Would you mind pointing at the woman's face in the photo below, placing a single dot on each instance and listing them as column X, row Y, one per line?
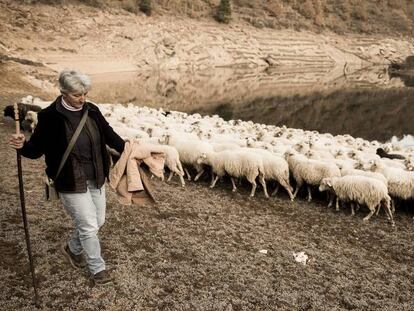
column 76, row 100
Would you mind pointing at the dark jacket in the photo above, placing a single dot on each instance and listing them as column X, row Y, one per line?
column 50, row 139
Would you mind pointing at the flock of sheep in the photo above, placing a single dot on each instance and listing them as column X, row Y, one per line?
column 347, row 168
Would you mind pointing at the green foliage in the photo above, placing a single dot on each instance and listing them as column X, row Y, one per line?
column 145, row 6
column 223, row 14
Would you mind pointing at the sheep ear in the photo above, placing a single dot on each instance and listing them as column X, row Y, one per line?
column 329, row 183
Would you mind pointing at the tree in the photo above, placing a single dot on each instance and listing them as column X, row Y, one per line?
column 145, row 6
column 223, row 14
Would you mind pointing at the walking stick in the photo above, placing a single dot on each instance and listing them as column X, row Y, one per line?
column 23, row 206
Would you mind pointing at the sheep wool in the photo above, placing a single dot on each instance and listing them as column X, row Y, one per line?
column 360, row 189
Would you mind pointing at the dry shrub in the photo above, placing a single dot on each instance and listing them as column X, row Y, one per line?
column 319, row 13
column 319, row 20
column 400, row 21
column 245, row 3
column 223, row 13
column 359, row 14
column 186, row 7
column 307, row 9
column 397, row 4
column 275, row 8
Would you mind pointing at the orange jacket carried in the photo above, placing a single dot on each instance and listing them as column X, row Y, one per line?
column 128, row 178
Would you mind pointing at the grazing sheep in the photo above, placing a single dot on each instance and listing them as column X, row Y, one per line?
column 275, row 168
column 189, row 151
column 309, row 171
column 236, row 163
column 360, row 189
column 172, row 161
column 400, row 182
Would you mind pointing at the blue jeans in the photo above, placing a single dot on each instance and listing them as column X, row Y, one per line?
column 88, row 213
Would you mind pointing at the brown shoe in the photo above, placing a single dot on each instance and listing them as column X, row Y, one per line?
column 77, row 261
column 102, row 278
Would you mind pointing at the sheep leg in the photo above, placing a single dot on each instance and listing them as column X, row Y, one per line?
column 287, row 187
column 234, row 184
column 298, row 185
column 213, row 183
column 275, row 191
column 188, row 174
column 263, row 183
column 199, row 174
column 331, row 199
column 180, row 173
column 392, row 206
column 388, row 211
column 253, row 188
column 182, row 181
column 212, row 176
column 337, row 204
column 378, row 209
column 309, row 194
column 371, row 212
column 352, row 209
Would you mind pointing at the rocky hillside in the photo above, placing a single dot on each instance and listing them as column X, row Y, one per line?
column 340, row 16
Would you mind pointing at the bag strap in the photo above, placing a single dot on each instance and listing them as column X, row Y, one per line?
column 72, row 141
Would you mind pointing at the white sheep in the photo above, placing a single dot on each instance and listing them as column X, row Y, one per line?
column 238, row 164
column 309, row 171
column 189, row 151
column 172, row 161
column 360, row 189
column 400, row 182
column 275, row 168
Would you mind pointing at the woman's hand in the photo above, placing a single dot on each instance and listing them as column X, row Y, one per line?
column 17, row 141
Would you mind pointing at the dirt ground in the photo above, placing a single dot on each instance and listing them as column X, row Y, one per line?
column 198, row 249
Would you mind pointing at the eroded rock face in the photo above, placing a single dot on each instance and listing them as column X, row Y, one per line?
column 106, row 41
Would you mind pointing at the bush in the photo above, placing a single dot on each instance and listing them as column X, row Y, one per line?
column 275, row 9
column 145, row 7
column 223, row 14
column 307, row 9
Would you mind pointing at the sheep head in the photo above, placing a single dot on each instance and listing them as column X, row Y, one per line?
column 311, row 154
column 164, row 139
column 202, row 158
column 338, row 153
column 372, row 165
column 326, row 184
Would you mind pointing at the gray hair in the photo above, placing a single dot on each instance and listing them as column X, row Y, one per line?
column 72, row 81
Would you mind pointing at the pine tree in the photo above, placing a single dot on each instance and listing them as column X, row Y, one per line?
column 145, row 6
column 223, row 14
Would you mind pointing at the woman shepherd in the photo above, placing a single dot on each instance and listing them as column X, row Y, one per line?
column 81, row 181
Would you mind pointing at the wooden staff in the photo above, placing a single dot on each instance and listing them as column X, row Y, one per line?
column 23, row 206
